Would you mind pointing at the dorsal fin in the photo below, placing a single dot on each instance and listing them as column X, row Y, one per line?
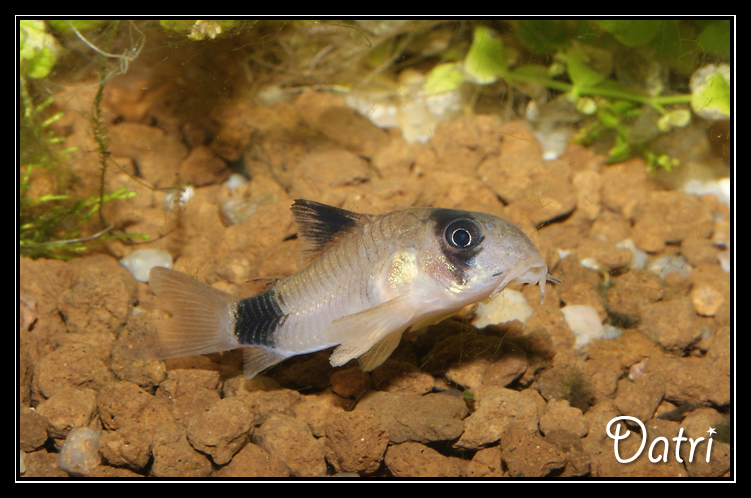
column 320, row 225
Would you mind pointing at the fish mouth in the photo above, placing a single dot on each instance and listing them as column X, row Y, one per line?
column 523, row 273
column 506, row 277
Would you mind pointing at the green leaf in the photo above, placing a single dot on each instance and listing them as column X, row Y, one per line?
column 624, row 108
column 530, row 79
column 44, row 104
column 608, row 118
column 620, row 151
column 443, row 78
column 673, row 46
column 532, row 71
column 680, row 118
column 49, row 198
column 715, row 39
column 55, row 117
column 661, row 161
column 37, row 50
column 587, row 65
column 711, row 98
column 582, row 30
column 142, row 236
column 41, row 64
column 486, row 59
column 632, row 33
column 543, row 36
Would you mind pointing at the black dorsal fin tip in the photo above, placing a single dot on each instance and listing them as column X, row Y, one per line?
column 320, row 224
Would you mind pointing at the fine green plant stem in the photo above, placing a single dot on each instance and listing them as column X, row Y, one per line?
column 656, row 102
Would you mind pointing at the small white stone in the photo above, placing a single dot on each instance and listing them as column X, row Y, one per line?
column 584, row 322
column 665, row 265
column 236, row 209
column 270, row 95
column 724, row 259
column 637, row 369
column 179, row 197
column 610, row 332
column 80, row 452
column 139, row 263
column 554, row 142
column 375, row 107
column 719, row 188
column 508, row 305
column 639, row 258
column 234, row 181
column 590, row 263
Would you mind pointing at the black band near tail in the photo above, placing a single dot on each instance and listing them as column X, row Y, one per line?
column 257, row 318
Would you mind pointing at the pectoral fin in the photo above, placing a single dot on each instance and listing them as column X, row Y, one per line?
column 378, row 353
column 360, row 332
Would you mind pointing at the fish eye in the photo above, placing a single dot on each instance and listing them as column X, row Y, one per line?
column 463, row 234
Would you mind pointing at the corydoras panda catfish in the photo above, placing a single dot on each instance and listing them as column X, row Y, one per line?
column 371, row 278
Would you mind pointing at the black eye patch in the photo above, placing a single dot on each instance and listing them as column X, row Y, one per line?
column 463, row 234
column 459, row 236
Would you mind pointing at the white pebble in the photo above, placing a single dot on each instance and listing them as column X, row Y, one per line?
column 80, row 452
column 610, row 332
column 139, row 263
column 508, row 305
column 178, row 198
column 270, row 95
column 375, row 107
column 665, row 265
column 584, row 322
column 590, row 263
column 719, row 188
column 637, row 369
column 235, row 210
column 234, row 181
column 554, row 141
column 639, row 258
column 724, row 259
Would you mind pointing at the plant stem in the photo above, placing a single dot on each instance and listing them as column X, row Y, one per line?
column 656, row 102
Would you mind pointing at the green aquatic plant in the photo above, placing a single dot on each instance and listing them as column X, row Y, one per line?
column 612, row 71
column 54, row 224
column 51, row 225
column 38, row 50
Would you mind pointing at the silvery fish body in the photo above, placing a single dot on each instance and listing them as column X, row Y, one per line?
column 369, row 279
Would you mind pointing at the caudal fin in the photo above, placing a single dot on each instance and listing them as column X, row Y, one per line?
column 202, row 321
